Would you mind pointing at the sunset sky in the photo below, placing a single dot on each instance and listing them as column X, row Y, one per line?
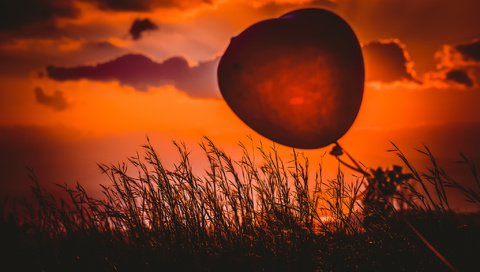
column 85, row 81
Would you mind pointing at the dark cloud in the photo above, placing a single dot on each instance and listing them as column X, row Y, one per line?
column 126, row 5
column 458, row 55
column 55, row 101
column 459, row 76
column 387, row 61
column 17, row 14
column 145, row 5
column 470, row 51
column 141, row 73
column 37, row 18
column 200, row 80
column 141, row 25
column 459, row 63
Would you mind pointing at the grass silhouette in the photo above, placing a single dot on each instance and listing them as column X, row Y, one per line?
column 258, row 213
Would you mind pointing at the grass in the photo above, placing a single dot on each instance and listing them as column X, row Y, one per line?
column 258, row 213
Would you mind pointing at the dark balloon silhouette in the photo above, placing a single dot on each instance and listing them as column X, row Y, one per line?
column 297, row 79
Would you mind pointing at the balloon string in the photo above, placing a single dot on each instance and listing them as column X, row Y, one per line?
column 357, row 166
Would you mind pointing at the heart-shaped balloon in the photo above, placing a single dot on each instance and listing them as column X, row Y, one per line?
column 297, row 79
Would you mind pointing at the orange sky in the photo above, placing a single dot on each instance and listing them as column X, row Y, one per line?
column 422, row 84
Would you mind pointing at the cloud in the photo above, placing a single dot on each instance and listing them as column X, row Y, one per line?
column 145, row 5
column 141, row 73
column 470, row 51
column 141, row 25
column 388, row 61
column 126, row 5
column 22, row 13
column 459, row 55
column 459, row 63
column 39, row 18
column 55, row 101
column 459, row 76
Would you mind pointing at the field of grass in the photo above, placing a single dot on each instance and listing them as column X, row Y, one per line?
column 261, row 212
